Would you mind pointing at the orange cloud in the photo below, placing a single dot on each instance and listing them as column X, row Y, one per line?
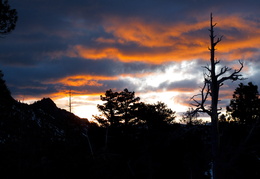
column 149, row 34
column 238, row 22
column 105, row 40
column 96, row 54
column 242, row 39
column 161, row 43
column 82, row 80
column 65, row 94
column 156, row 57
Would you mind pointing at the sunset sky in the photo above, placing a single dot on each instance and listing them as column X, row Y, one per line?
column 154, row 47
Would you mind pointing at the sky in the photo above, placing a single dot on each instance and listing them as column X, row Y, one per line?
column 156, row 48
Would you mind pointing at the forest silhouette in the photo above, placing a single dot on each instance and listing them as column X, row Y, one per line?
column 132, row 139
column 41, row 140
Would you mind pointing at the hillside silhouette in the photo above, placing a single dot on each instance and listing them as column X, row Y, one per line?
column 41, row 140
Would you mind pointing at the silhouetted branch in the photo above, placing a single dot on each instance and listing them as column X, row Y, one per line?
column 207, row 68
column 200, row 106
column 223, row 71
column 233, row 76
column 218, row 40
column 216, row 62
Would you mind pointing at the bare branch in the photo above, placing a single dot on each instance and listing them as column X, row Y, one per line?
column 200, row 105
column 206, row 77
column 218, row 40
column 233, row 76
column 207, row 67
column 216, row 62
column 223, row 71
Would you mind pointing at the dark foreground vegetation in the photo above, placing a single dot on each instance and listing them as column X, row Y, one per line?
column 43, row 141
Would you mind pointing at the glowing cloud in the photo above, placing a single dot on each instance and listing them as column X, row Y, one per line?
column 82, row 80
column 154, row 42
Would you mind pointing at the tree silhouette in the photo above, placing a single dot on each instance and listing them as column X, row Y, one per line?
column 8, row 18
column 3, row 88
column 108, row 108
column 5, row 94
column 118, row 107
column 190, row 117
column 126, row 105
column 245, row 105
column 154, row 115
column 212, row 83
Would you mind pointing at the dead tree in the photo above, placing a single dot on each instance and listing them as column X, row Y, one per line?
column 212, row 82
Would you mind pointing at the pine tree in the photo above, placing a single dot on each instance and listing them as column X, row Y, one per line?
column 245, row 105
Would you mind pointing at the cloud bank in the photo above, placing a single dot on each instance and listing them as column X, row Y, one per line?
column 145, row 46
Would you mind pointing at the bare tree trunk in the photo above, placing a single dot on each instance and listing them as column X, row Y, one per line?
column 214, row 87
column 211, row 87
column 215, row 146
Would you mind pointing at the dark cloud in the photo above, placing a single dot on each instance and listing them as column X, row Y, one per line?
column 42, row 79
column 55, row 40
column 187, row 85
